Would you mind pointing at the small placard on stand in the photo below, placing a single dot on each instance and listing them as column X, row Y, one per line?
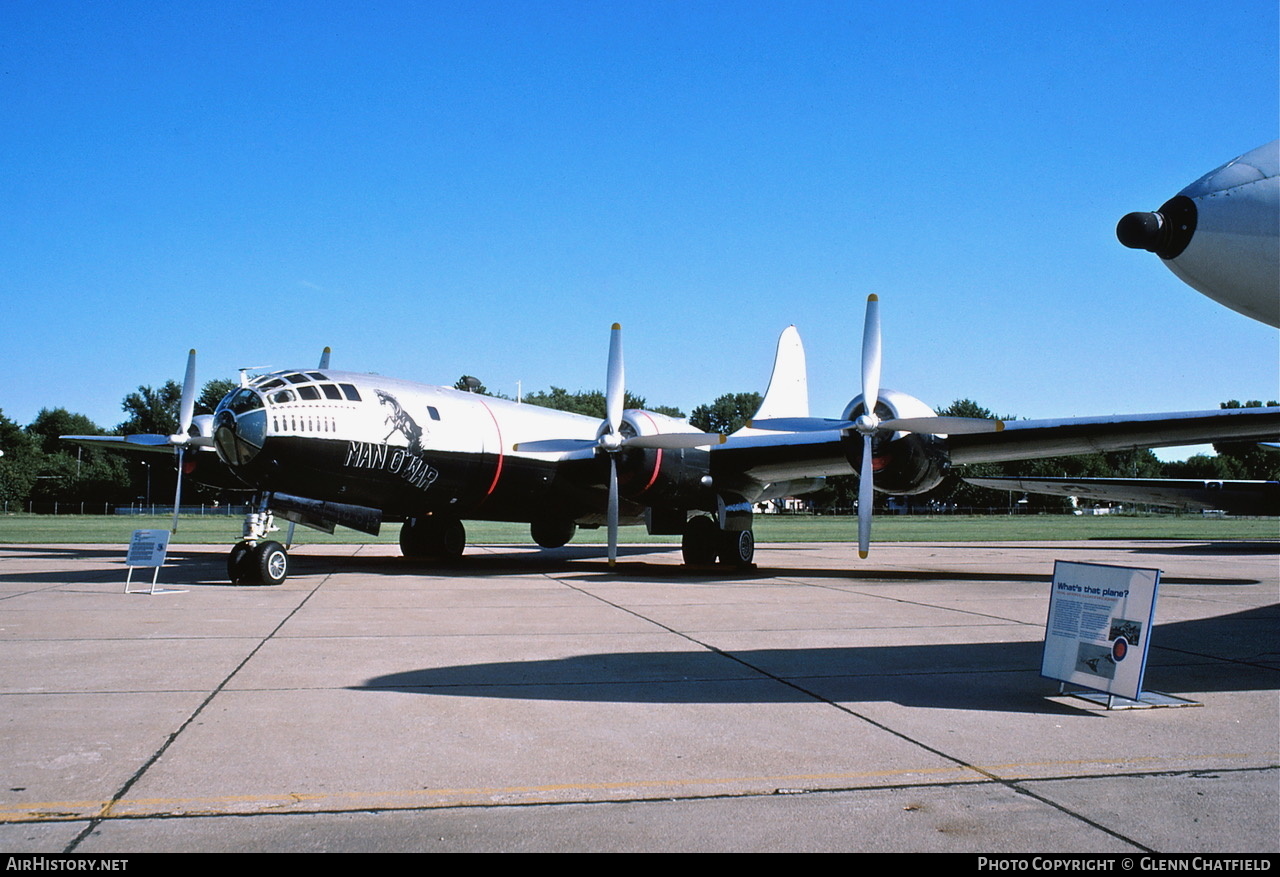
column 147, row 548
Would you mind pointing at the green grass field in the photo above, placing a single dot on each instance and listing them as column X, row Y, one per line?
column 24, row 528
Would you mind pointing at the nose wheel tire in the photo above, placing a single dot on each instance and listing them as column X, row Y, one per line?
column 238, row 570
column 266, row 563
column 271, row 563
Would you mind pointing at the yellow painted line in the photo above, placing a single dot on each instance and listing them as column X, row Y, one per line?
column 63, row 811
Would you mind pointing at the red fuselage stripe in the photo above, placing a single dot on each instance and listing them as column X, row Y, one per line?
column 657, row 466
column 497, row 471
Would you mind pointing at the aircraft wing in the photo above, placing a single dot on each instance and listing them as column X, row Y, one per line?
column 202, row 464
column 1033, row 439
column 1236, row 497
column 130, row 443
column 761, row 465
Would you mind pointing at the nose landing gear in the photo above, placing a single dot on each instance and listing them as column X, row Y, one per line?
column 256, row 560
column 263, row 563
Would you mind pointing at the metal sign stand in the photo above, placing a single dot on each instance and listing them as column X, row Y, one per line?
column 148, row 548
column 1146, row 699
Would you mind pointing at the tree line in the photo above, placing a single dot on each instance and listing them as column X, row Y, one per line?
column 39, row 469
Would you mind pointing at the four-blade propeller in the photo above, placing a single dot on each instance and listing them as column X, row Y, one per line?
column 869, row 425
column 610, row 439
column 182, row 439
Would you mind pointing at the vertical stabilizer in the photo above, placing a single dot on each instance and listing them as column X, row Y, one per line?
column 788, row 393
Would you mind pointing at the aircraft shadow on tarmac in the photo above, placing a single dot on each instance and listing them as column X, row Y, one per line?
column 1229, row 653
column 1215, row 548
column 195, row 566
column 587, row 563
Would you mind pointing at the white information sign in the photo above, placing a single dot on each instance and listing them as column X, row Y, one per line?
column 147, row 548
column 1099, row 627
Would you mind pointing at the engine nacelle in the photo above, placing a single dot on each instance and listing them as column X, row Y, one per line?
column 667, row 477
column 904, row 463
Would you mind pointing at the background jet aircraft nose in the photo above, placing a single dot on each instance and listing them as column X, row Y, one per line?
column 1218, row 235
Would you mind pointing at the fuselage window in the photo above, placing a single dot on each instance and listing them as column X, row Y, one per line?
column 309, row 392
column 350, row 391
column 431, row 410
column 331, row 391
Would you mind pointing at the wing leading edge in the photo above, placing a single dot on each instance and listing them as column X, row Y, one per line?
column 1032, row 439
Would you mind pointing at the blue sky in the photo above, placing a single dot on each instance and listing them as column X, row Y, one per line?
column 437, row 188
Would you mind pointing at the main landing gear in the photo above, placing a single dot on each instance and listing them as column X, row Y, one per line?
column 704, row 542
column 552, row 532
column 433, row 537
column 256, row 560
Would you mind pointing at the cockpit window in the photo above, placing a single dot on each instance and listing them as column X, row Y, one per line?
column 331, row 391
column 350, row 391
column 296, row 379
column 316, row 376
column 244, row 400
column 309, row 392
column 282, row 397
column 271, row 385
